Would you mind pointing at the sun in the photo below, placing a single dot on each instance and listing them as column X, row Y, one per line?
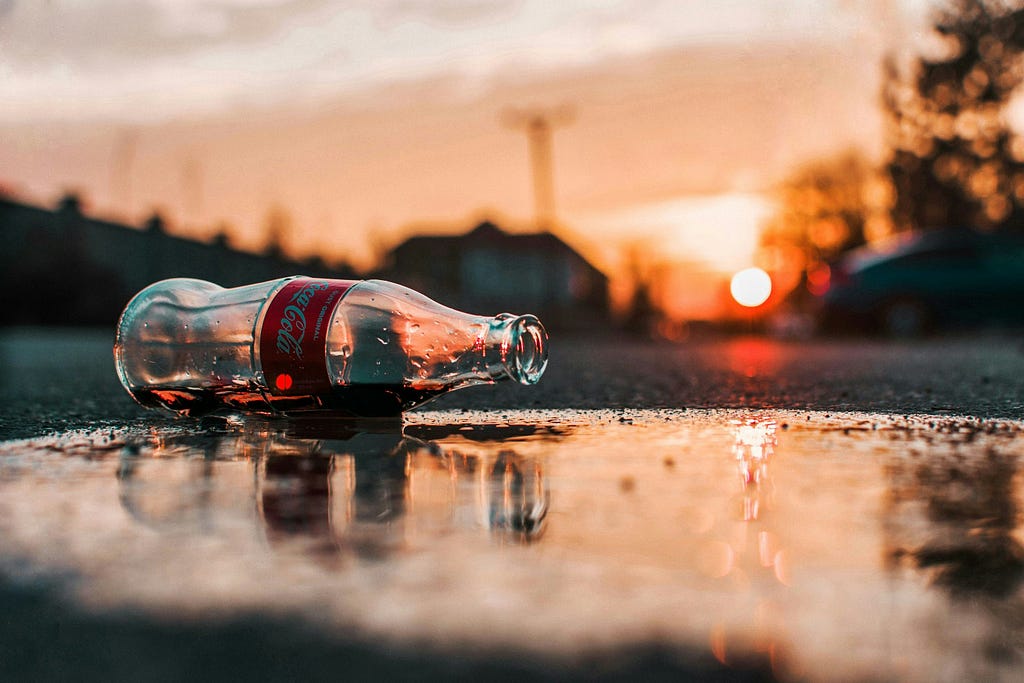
column 751, row 287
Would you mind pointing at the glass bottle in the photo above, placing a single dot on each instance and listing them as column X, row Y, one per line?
column 364, row 348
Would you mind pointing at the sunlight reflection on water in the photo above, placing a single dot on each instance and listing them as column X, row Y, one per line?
column 830, row 547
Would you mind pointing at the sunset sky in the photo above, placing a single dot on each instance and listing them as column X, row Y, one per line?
column 367, row 119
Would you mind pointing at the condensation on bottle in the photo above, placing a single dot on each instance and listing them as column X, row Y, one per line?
column 364, row 348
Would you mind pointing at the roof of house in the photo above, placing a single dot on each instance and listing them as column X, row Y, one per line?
column 489, row 234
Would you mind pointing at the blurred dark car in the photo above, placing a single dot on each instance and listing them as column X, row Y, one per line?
column 921, row 282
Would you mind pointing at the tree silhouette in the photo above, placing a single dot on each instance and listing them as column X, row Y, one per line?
column 823, row 208
column 954, row 161
column 222, row 238
column 277, row 226
column 828, row 206
column 642, row 315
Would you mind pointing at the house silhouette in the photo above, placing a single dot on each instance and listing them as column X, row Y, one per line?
column 488, row 270
column 62, row 267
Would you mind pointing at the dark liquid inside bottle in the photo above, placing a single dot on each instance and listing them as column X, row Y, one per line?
column 369, row 400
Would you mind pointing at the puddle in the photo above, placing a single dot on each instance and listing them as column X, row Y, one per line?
column 827, row 546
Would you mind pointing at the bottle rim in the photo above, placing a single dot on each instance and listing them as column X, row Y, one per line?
column 526, row 349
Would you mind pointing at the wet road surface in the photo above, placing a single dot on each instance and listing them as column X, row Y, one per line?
column 58, row 380
column 745, row 510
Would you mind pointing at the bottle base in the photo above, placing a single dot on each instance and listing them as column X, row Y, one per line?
column 363, row 401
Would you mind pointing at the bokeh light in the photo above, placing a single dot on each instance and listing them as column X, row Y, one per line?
column 751, row 287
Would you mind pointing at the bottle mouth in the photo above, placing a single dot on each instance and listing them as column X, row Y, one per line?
column 525, row 351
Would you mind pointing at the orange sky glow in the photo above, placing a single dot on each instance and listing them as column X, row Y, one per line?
column 367, row 121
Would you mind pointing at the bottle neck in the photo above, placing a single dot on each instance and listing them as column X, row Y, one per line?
column 515, row 347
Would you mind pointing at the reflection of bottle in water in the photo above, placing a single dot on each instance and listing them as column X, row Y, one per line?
column 366, row 348
column 323, row 491
column 519, row 499
column 338, row 495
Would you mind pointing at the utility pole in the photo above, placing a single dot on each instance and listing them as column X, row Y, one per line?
column 192, row 189
column 539, row 124
column 121, row 171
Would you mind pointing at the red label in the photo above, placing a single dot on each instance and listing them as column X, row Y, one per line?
column 293, row 338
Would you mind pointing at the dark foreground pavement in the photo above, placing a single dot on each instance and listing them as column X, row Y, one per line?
column 41, row 639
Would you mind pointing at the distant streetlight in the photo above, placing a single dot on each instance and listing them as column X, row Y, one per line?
column 538, row 124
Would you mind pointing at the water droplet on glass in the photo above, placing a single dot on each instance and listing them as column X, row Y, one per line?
column 382, row 341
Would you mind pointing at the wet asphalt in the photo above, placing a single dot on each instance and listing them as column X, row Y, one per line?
column 55, row 380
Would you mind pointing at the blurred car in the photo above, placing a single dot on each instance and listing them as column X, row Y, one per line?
column 920, row 282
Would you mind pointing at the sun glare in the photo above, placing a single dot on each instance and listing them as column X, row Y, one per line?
column 751, row 287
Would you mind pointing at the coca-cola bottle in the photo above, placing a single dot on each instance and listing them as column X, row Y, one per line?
column 364, row 348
